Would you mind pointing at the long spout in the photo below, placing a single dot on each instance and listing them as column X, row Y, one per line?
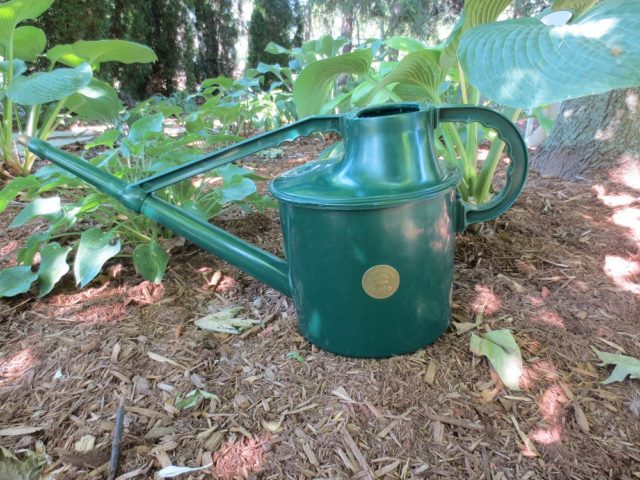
column 258, row 263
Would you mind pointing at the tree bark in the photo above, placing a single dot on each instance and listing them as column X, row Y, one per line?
column 593, row 133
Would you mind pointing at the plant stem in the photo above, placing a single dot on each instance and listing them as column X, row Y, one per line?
column 483, row 187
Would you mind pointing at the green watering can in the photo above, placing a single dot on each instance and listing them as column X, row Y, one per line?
column 368, row 237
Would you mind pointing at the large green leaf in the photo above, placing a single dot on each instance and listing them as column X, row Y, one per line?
column 94, row 250
column 16, row 280
column 146, row 127
column 420, row 69
column 28, row 43
column 474, row 13
column 313, row 86
column 404, row 44
column 150, row 261
column 503, row 353
column 96, row 52
column 524, row 63
column 53, row 266
column 45, row 87
column 40, row 207
column 16, row 11
column 14, row 187
column 96, row 101
column 577, row 7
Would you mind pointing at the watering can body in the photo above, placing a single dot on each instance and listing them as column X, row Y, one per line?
column 368, row 236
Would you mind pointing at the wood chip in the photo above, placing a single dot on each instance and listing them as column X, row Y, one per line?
column 456, row 422
column 581, row 418
column 310, row 455
column 387, row 469
column 356, row 452
column 159, row 358
column 384, row 432
column 530, row 447
column 342, row 394
column 19, row 431
column 430, row 376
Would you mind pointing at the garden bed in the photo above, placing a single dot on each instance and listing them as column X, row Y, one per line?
column 560, row 269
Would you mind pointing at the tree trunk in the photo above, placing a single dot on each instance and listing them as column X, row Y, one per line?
column 592, row 133
column 346, row 29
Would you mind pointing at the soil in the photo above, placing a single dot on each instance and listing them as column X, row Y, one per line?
column 561, row 270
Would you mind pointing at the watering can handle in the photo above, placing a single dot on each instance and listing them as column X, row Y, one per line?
column 288, row 133
column 516, row 172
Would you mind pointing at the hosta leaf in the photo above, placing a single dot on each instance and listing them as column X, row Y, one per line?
column 28, row 43
column 96, row 52
column 524, row 63
column 577, row 7
column 38, row 208
column 27, row 253
column 326, row 45
column 146, row 127
column 53, row 266
column 44, row 87
column 96, row 101
column 14, row 187
column 16, row 11
column 404, row 44
column 16, row 280
column 237, row 188
column 19, row 67
column 94, row 250
column 475, row 12
column 105, row 139
column 193, row 399
column 625, row 366
column 150, row 261
column 420, row 69
column 503, row 353
column 313, row 86
column 29, row 468
column 225, row 321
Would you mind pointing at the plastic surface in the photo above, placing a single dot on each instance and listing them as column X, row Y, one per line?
column 388, row 160
column 369, row 236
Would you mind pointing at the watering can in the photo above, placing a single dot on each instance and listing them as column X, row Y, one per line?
column 368, row 236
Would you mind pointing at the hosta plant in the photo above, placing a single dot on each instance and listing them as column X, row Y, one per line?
column 85, row 228
column 32, row 103
column 518, row 64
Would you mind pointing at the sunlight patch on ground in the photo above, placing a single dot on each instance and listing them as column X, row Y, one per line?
column 551, row 318
column 546, row 436
column 612, row 200
column 628, row 173
column 629, row 218
column 485, row 301
column 624, row 272
column 13, row 368
column 241, row 459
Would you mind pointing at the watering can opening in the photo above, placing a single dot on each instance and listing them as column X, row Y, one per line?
column 388, row 110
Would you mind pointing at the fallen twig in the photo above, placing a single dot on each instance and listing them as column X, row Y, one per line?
column 117, row 442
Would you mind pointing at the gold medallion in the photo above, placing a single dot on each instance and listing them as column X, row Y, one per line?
column 381, row 281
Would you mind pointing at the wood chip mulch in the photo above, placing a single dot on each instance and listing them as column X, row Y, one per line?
column 561, row 269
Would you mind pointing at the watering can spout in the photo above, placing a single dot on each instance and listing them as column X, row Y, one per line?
column 139, row 196
column 268, row 268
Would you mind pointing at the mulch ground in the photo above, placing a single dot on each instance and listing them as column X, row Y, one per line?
column 561, row 269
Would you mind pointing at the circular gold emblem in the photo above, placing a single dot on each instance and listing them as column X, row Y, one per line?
column 381, row 281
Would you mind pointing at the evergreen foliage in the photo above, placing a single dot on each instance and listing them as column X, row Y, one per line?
column 217, row 32
column 71, row 20
column 271, row 21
